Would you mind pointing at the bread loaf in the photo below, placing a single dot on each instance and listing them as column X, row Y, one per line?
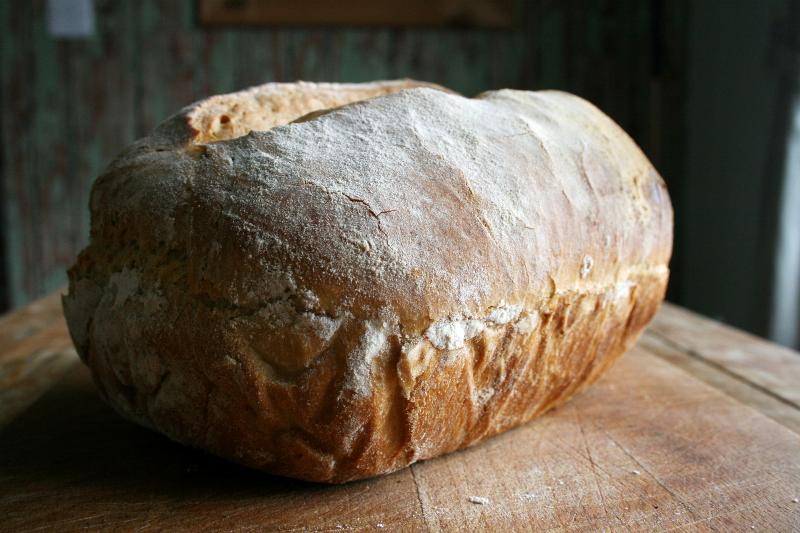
column 402, row 273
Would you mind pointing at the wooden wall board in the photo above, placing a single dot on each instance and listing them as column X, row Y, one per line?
column 461, row 13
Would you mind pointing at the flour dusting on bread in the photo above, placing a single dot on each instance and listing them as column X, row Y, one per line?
column 333, row 281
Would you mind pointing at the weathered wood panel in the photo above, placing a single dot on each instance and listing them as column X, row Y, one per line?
column 469, row 13
column 70, row 105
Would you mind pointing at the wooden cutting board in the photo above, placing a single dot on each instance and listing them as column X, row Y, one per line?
column 674, row 437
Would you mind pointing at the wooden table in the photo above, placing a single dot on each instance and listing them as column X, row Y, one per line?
column 698, row 428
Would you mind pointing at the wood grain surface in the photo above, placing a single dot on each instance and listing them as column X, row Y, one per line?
column 666, row 441
column 70, row 105
column 35, row 350
column 766, row 365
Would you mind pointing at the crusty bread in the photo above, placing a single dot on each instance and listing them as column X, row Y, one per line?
column 375, row 284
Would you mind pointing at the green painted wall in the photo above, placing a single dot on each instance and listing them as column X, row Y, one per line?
column 736, row 127
column 70, row 105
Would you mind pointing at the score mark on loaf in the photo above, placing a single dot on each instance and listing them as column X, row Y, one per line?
column 332, row 282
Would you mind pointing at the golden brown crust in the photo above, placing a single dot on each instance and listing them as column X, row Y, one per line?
column 262, row 108
column 379, row 284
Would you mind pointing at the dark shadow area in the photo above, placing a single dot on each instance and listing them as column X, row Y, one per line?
column 71, row 437
column 74, row 463
column 70, row 457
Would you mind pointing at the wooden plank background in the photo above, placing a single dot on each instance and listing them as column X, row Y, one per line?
column 461, row 13
column 70, row 105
